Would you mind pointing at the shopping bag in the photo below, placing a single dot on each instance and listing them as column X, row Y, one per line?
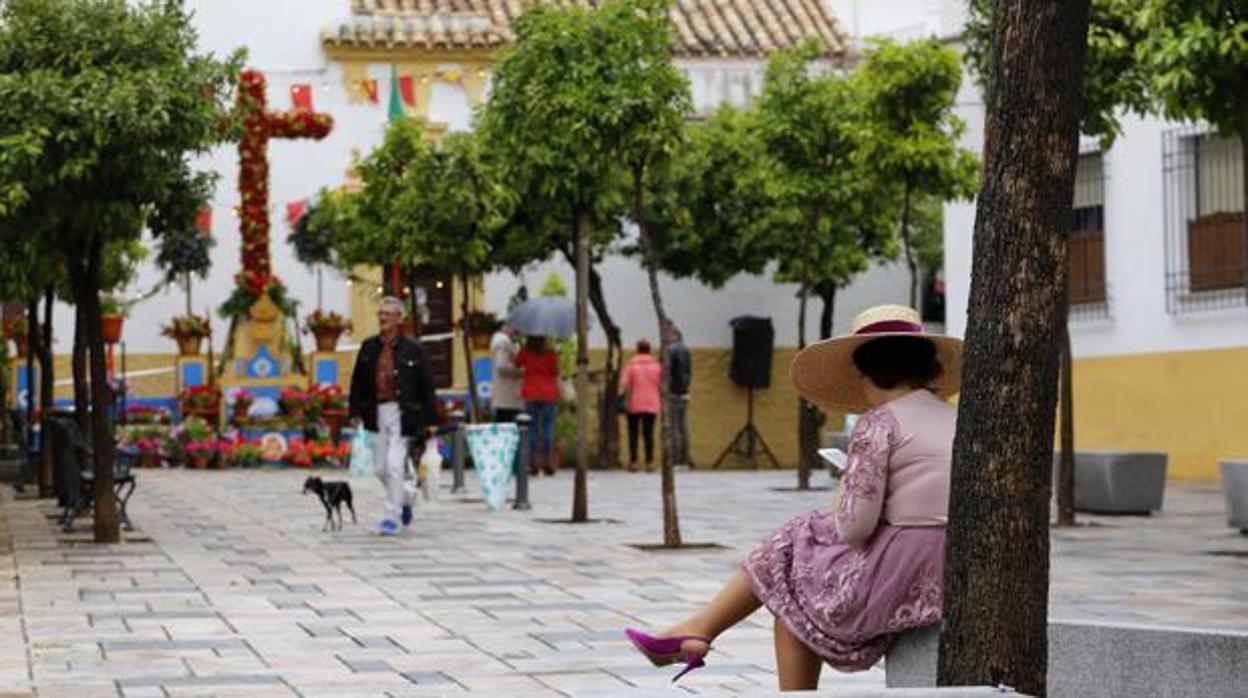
column 429, row 470
column 361, row 454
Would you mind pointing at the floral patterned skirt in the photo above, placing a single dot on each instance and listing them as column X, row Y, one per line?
column 846, row 603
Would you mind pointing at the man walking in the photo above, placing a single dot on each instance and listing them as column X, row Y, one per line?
column 393, row 397
column 679, row 376
column 505, row 397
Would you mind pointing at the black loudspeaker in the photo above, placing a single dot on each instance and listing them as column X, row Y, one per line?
column 752, row 340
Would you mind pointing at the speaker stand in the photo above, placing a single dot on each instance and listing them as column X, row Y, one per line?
column 747, row 440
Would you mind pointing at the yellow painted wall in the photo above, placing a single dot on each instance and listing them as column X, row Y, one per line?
column 1190, row 405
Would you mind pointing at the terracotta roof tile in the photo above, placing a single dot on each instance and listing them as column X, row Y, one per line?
column 703, row 28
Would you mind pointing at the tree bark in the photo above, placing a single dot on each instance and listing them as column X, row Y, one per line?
column 582, row 266
column 1243, row 154
column 473, row 412
column 671, row 521
column 580, row 490
column 186, row 279
column 82, row 385
column 997, row 556
column 1066, row 469
column 807, row 414
column 906, row 245
column 47, row 385
column 107, row 529
column 608, row 446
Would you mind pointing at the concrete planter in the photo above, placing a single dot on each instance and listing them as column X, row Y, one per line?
column 1117, row 482
column 1235, row 486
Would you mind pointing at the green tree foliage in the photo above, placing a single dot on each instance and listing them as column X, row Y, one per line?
column 102, row 102
column 912, row 133
column 1114, row 78
column 1196, row 55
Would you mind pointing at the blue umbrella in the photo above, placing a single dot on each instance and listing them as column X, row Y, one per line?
column 545, row 316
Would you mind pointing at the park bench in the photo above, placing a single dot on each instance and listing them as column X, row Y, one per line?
column 75, row 474
column 1117, row 482
column 1089, row 659
column 1235, row 487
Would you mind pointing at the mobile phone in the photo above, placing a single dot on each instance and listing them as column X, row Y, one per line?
column 836, row 457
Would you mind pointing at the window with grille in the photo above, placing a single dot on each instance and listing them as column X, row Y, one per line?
column 1206, row 237
column 1088, row 295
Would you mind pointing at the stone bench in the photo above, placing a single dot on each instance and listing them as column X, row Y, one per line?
column 1089, row 659
column 1235, row 487
column 1116, row 482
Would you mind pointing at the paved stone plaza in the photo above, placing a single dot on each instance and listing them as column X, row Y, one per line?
column 229, row 587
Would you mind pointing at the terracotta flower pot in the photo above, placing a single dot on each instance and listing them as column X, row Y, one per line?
column 481, row 339
column 199, row 461
column 148, row 460
column 110, row 327
column 189, row 346
column 20, row 346
column 327, row 339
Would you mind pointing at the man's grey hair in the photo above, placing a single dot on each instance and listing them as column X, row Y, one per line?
column 392, row 303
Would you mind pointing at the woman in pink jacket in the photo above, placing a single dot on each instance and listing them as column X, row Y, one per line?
column 640, row 382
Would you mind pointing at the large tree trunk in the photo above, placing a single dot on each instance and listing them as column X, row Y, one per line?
column 997, row 558
column 1243, row 154
column 107, row 529
column 908, row 246
column 1066, row 469
column 807, row 414
column 474, row 406
column 47, row 385
column 580, row 489
column 608, row 446
column 671, row 522
column 82, row 385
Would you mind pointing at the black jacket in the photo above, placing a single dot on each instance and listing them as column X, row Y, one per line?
column 679, row 368
column 416, row 397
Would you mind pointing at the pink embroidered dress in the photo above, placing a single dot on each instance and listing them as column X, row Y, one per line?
column 846, row 581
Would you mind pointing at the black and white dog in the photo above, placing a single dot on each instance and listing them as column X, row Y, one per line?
column 333, row 495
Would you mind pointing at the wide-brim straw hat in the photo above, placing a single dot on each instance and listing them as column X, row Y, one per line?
column 824, row 373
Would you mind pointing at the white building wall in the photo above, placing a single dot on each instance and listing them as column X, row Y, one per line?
column 1135, row 253
column 283, row 40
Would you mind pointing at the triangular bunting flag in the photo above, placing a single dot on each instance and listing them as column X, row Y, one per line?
column 407, row 87
column 301, row 96
column 369, row 89
column 203, row 222
column 295, row 211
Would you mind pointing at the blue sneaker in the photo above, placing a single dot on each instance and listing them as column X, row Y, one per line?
column 406, row 516
column 389, row 528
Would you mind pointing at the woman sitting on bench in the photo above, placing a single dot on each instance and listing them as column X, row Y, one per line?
column 842, row 583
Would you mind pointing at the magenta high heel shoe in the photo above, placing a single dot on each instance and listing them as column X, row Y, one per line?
column 662, row 651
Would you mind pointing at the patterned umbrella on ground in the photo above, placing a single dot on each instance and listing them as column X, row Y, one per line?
column 493, row 449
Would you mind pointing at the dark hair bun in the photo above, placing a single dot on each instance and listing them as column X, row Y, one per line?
column 893, row 361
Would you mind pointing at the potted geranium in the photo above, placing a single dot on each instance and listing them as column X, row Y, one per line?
column 188, row 331
column 197, row 441
column 16, row 329
column 145, row 414
column 112, row 319
column 149, row 440
column 242, row 404
column 327, row 328
column 294, row 403
column 332, row 408
column 243, row 453
column 201, row 401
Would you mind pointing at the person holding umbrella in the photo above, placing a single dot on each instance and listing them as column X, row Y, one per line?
column 540, row 389
column 542, row 319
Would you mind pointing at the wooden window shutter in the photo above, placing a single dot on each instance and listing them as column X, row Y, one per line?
column 1216, row 251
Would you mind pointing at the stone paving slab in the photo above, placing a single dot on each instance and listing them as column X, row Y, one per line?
column 229, row 587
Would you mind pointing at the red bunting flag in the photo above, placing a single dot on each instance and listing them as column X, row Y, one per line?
column 295, row 211
column 407, row 88
column 369, row 88
column 203, row 222
column 301, row 96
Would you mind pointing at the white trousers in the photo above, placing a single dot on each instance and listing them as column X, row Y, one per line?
column 390, row 457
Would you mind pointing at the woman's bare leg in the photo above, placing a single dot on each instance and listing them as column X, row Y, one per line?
column 733, row 604
column 797, row 665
